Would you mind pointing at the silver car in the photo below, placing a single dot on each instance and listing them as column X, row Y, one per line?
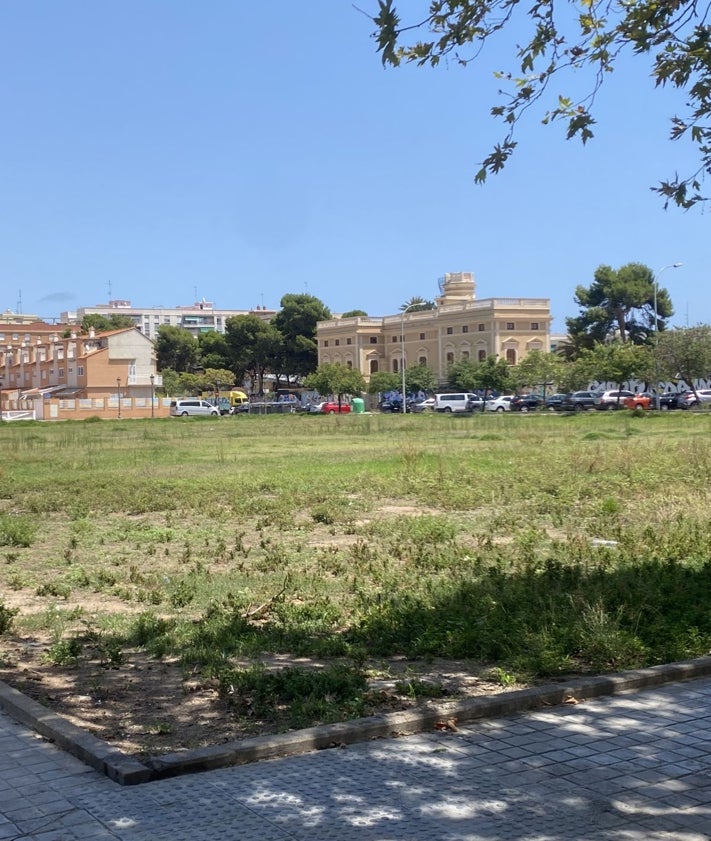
column 192, row 406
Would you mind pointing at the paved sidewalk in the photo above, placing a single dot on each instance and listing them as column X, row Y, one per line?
column 629, row 767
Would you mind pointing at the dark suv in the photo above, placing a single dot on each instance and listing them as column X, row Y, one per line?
column 578, row 401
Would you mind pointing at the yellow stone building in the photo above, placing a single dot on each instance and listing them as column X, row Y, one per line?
column 459, row 327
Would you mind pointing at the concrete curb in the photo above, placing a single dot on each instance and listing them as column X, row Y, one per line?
column 125, row 770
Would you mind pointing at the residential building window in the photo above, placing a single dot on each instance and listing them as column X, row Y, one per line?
column 70, row 370
column 534, row 325
column 325, row 342
column 338, row 342
column 373, row 340
column 465, row 328
column 511, row 356
column 395, row 338
column 349, row 341
column 450, row 331
column 80, row 371
column 61, row 373
column 510, row 325
column 481, row 327
column 422, row 337
column 482, row 355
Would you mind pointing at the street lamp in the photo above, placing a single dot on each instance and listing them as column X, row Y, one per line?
column 402, row 359
column 656, row 329
column 153, row 392
column 118, row 391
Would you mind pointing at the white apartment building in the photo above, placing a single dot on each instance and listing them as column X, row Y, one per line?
column 200, row 317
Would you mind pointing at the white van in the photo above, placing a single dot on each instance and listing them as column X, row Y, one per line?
column 192, row 406
column 456, row 402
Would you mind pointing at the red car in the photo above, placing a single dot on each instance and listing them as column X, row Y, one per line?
column 328, row 408
column 644, row 400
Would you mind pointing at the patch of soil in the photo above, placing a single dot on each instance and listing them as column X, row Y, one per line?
column 148, row 707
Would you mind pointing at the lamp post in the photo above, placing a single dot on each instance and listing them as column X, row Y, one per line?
column 118, row 391
column 402, row 359
column 656, row 329
column 153, row 392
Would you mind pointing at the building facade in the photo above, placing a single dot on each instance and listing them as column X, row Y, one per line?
column 460, row 327
column 41, row 362
column 201, row 317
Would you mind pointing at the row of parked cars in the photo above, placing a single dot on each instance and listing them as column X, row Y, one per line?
column 576, row 401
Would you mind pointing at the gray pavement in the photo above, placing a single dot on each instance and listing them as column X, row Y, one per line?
column 628, row 767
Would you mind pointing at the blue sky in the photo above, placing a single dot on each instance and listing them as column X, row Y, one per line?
column 164, row 151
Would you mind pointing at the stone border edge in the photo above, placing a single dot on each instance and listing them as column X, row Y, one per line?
column 126, row 770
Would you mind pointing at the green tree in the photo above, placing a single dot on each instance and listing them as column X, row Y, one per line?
column 586, row 45
column 102, row 323
column 615, row 362
column 619, row 303
column 382, row 381
column 493, row 375
column 296, row 321
column 213, row 378
column 176, row 348
column 255, row 347
column 334, row 378
column 490, row 375
column 685, row 353
column 214, row 352
column 417, row 304
column 171, row 383
column 419, row 378
column 463, row 375
column 538, row 370
column 355, row 314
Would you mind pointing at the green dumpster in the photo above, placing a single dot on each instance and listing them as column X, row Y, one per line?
column 358, row 405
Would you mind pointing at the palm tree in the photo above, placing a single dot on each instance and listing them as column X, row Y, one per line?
column 417, row 304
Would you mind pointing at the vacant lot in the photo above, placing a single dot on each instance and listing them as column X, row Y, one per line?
column 179, row 582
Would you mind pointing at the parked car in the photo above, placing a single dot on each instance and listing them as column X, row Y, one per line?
column 499, row 404
column 642, row 400
column 578, row 401
column 606, row 400
column 670, row 400
column 475, row 403
column 555, row 401
column 460, row 401
column 422, row 406
column 526, row 402
column 192, row 406
column 688, row 399
column 330, row 408
column 390, row 406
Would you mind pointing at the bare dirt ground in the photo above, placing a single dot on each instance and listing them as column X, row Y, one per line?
column 148, row 707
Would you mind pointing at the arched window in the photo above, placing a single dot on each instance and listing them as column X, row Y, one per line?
column 511, row 356
column 395, row 366
column 373, row 366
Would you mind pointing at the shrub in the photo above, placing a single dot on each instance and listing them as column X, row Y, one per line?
column 16, row 531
